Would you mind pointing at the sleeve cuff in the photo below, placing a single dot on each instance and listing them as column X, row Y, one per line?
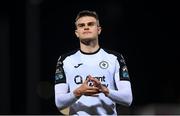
column 73, row 96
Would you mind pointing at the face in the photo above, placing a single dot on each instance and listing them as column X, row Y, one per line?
column 87, row 28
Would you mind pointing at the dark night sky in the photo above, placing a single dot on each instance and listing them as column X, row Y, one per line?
column 145, row 32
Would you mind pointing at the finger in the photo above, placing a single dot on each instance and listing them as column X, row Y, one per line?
column 95, row 81
column 91, row 92
column 87, row 80
column 92, row 88
column 90, row 77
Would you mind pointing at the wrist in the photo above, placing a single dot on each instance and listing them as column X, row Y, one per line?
column 77, row 93
column 106, row 93
column 105, row 90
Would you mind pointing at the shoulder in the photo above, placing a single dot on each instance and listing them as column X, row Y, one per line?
column 62, row 57
column 114, row 53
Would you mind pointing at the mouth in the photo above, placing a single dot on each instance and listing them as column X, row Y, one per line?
column 87, row 32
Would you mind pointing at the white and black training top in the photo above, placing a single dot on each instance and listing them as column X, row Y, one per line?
column 107, row 66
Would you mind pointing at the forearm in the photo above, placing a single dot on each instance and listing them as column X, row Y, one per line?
column 123, row 95
column 63, row 99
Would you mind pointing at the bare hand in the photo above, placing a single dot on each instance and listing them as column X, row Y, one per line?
column 98, row 84
column 85, row 89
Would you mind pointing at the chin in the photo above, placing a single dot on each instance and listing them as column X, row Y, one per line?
column 88, row 38
column 87, row 41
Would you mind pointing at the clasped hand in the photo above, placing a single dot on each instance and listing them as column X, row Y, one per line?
column 87, row 90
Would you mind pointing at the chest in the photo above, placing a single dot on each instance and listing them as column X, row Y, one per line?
column 99, row 68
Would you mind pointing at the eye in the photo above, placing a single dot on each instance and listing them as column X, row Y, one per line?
column 81, row 25
column 91, row 24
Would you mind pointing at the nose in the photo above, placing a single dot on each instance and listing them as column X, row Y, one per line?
column 86, row 27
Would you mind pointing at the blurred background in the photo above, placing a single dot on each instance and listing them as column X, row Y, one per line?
column 34, row 33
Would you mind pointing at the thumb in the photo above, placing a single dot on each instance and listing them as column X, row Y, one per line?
column 87, row 80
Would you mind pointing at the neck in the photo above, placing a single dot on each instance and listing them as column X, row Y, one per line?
column 91, row 47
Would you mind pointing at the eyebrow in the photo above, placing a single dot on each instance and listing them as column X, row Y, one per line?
column 83, row 24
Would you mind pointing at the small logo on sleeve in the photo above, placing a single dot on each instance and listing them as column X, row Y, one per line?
column 59, row 74
column 125, row 73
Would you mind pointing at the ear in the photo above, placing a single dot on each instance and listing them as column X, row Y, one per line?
column 77, row 35
column 99, row 30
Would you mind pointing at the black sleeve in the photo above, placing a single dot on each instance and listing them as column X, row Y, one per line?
column 123, row 70
column 59, row 74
